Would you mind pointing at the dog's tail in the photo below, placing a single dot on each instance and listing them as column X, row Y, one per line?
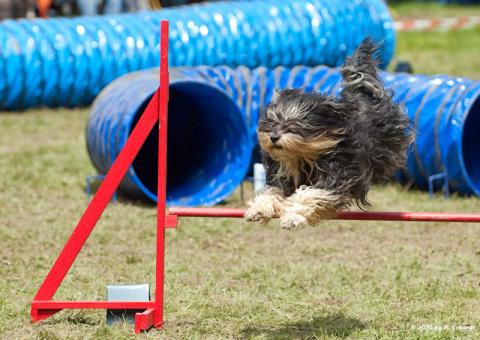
column 384, row 127
column 359, row 72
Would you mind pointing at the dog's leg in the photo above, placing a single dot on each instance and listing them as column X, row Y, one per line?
column 265, row 206
column 307, row 206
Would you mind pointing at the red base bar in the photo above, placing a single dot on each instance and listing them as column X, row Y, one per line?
column 143, row 321
column 93, row 304
column 350, row 215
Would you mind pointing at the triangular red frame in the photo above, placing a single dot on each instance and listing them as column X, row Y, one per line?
column 157, row 110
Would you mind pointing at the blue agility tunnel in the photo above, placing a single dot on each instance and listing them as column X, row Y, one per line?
column 214, row 112
column 208, row 138
column 66, row 62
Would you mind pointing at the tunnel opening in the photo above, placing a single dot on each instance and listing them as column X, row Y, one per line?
column 471, row 144
column 208, row 146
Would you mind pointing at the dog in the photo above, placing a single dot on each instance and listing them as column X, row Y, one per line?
column 322, row 154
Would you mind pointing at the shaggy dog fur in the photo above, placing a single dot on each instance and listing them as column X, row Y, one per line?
column 322, row 154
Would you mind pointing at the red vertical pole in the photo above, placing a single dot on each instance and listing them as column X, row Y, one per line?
column 162, row 173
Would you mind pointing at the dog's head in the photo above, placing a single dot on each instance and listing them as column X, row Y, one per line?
column 299, row 125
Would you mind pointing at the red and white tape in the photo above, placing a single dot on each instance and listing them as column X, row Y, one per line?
column 443, row 24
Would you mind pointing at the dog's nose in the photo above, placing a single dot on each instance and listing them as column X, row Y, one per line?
column 274, row 138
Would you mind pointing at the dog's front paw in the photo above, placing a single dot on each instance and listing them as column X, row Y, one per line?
column 253, row 214
column 292, row 221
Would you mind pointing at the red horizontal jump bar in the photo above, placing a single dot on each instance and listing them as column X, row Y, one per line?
column 350, row 215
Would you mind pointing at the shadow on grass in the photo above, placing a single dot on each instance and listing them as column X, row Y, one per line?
column 332, row 325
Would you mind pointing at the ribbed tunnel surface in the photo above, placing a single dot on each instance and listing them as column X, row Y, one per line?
column 214, row 113
column 67, row 61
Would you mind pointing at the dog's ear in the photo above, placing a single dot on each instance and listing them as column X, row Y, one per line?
column 276, row 94
column 273, row 101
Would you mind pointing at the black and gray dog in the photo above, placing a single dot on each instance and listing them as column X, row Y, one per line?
column 323, row 153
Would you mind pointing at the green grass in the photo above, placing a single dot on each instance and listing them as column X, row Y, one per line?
column 225, row 279
column 430, row 9
column 229, row 279
column 455, row 53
